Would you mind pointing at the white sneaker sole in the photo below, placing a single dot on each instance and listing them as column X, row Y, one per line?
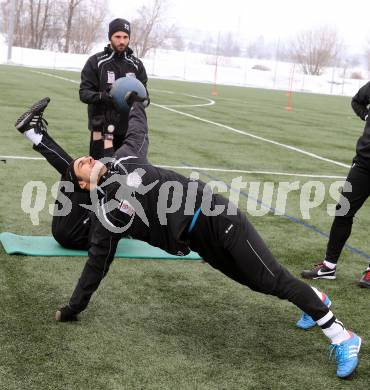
column 23, row 121
column 331, row 277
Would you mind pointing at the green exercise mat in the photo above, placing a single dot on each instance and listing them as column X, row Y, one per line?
column 47, row 246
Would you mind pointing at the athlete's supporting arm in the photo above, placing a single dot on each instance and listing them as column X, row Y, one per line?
column 101, row 254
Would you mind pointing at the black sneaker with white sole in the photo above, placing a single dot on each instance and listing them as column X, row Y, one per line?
column 320, row 271
column 32, row 119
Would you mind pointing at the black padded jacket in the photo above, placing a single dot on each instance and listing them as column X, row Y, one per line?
column 97, row 76
column 360, row 102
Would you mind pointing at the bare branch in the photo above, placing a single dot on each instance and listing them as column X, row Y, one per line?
column 149, row 29
column 315, row 49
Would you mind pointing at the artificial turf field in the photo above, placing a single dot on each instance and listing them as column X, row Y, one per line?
column 181, row 324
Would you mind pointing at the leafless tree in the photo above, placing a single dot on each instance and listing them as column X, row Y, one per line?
column 149, row 29
column 71, row 7
column 256, row 48
column 228, row 46
column 39, row 19
column 5, row 16
column 176, row 42
column 88, row 27
column 207, row 45
column 32, row 22
column 315, row 49
column 65, row 25
column 261, row 48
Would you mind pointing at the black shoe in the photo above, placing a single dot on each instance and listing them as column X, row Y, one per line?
column 319, row 272
column 65, row 314
column 364, row 282
column 32, row 119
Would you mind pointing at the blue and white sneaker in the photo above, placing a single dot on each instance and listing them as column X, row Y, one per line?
column 346, row 355
column 306, row 322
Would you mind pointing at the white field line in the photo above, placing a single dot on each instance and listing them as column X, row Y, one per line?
column 56, row 76
column 250, row 172
column 245, row 133
column 22, row 158
column 210, row 102
column 254, row 136
column 191, row 168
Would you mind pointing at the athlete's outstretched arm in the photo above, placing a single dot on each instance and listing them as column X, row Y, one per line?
column 136, row 142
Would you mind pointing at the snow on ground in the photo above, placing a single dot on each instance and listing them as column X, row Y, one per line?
column 187, row 66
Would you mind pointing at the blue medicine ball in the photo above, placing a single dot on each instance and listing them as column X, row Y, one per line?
column 121, row 87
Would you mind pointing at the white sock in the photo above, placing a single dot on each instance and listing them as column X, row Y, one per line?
column 34, row 137
column 330, row 265
column 336, row 332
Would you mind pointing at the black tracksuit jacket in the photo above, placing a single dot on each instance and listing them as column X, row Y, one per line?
column 98, row 74
column 360, row 104
column 128, row 161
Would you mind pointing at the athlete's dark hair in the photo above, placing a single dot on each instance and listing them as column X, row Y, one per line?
column 72, row 177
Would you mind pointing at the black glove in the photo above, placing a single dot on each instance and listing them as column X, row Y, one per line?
column 106, row 99
column 146, row 102
column 65, row 314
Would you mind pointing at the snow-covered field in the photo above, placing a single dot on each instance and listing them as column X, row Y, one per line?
column 187, row 66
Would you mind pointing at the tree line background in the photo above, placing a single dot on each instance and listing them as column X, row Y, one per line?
column 76, row 26
column 61, row 25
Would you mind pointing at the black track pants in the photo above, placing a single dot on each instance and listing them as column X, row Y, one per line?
column 359, row 178
column 232, row 245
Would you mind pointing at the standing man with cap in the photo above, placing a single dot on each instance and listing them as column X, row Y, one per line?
column 356, row 191
column 99, row 73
